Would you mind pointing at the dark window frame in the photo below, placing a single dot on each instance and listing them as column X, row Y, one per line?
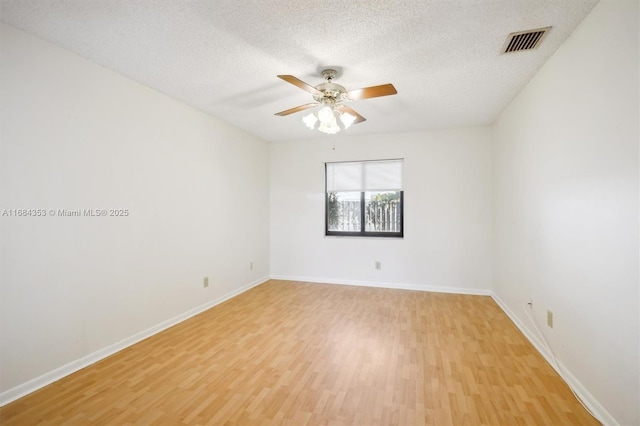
column 362, row 232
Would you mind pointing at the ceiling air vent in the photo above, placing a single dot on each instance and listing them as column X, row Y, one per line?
column 524, row 40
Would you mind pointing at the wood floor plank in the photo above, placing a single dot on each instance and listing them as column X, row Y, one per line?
column 300, row 353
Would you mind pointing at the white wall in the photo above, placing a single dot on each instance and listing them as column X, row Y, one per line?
column 566, row 205
column 447, row 222
column 77, row 136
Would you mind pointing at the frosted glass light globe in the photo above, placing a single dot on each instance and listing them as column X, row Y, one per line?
column 347, row 119
column 310, row 120
column 325, row 115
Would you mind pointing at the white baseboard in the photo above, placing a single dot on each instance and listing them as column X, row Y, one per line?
column 588, row 399
column 60, row 372
column 415, row 287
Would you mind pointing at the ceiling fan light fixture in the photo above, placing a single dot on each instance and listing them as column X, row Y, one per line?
column 325, row 115
column 328, row 119
column 331, row 127
column 347, row 119
column 310, row 120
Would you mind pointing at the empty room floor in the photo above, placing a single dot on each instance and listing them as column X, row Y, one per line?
column 299, row 353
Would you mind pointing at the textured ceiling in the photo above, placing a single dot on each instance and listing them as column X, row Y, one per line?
column 222, row 56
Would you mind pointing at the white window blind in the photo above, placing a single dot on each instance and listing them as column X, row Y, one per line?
column 379, row 175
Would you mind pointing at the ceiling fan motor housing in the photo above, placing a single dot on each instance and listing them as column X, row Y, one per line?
column 330, row 92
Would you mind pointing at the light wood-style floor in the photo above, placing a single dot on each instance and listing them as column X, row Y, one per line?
column 298, row 353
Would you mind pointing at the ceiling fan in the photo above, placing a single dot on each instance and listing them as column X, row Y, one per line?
column 331, row 97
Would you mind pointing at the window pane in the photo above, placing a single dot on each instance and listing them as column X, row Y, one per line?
column 343, row 211
column 382, row 211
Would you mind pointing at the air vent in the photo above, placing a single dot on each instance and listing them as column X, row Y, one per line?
column 524, row 40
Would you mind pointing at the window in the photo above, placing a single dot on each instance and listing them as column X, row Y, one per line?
column 364, row 198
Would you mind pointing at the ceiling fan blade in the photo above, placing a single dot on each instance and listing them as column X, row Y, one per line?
column 296, row 109
column 301, row 84
column 359, row 118
column 372, row 92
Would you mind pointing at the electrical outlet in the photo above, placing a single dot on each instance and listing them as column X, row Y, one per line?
column 550, row 319
column 251, row 266
column 205, row 282
column 378, row 265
